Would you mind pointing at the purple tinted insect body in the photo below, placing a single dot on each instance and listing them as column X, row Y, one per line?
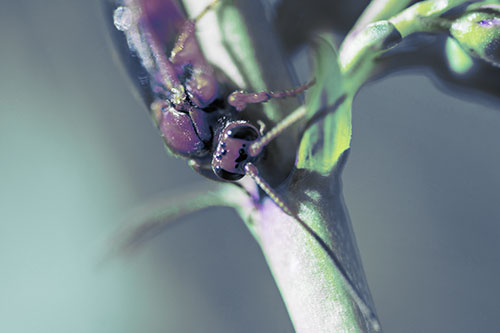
column 198, row 116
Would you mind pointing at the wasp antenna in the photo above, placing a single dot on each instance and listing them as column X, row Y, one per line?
column 252, row 171
column 256, row 147
column 208, row 8
column 240, row 99
column 167, row 74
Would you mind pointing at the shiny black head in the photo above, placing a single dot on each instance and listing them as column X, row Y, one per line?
column 231, row 155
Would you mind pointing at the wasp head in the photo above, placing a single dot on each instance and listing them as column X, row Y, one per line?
column 231, row 155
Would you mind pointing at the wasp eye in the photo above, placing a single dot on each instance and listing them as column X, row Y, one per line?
column 244, row 132
column 226, row 175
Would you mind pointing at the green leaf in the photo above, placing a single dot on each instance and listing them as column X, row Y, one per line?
column 156, row 216
column 328, row 134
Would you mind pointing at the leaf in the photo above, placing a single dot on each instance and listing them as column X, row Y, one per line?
column 328, row 131
column 156, row 216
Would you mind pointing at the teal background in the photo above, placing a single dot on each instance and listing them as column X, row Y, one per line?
column 79, row 154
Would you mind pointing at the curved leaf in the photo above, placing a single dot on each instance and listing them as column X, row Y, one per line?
column 328, row 131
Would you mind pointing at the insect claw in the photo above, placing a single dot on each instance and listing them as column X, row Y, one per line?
column 178, row 95
column 237, row 100
column 262, row 126
column 206, row 10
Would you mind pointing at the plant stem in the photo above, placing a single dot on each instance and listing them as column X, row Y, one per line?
column 360, row 49
column 313, row 289
column 377, row 10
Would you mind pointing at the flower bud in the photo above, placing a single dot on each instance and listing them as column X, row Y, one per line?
column 478, row 33
column 458, row 60
column 372, row 40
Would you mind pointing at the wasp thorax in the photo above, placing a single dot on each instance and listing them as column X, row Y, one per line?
column 231, row 155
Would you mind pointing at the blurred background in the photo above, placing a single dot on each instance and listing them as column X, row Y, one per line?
column 78, row 153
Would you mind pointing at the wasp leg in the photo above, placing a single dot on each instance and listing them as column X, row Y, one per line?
column 240, row 99
column 188, row 30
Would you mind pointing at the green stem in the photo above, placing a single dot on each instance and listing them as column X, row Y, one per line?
column 359, row 51
column 424, row 17
column 312, row 287
column 377, row 10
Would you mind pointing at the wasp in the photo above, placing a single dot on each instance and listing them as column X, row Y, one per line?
column 198, row 117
